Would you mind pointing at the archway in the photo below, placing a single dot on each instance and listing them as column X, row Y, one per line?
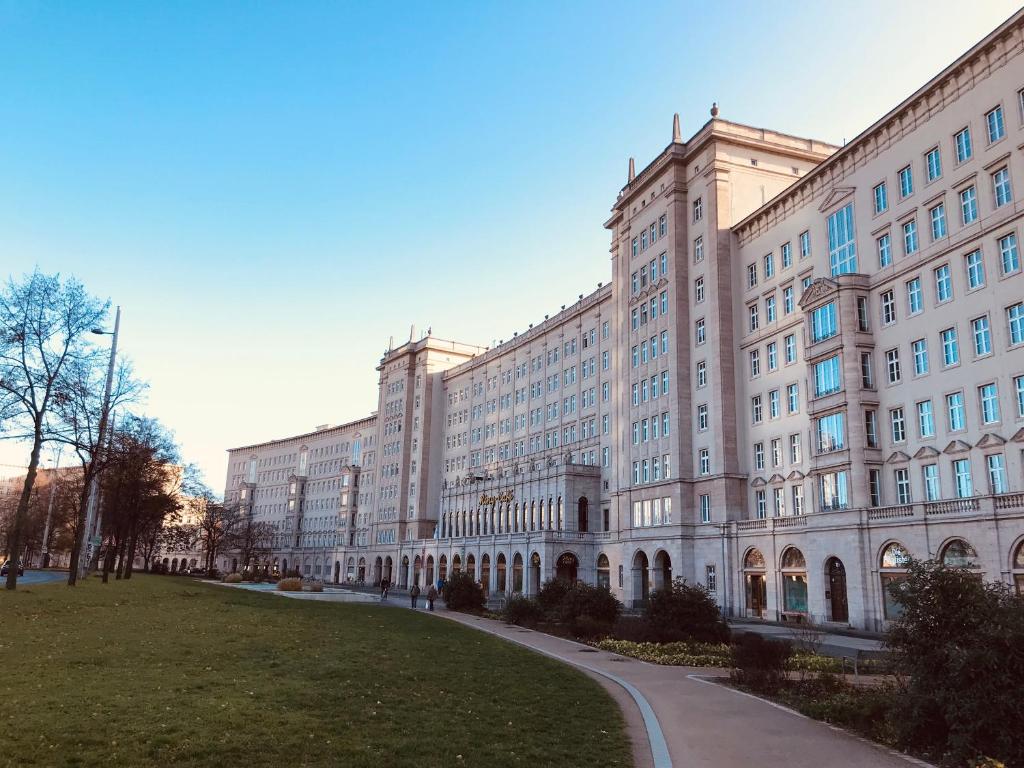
column 582, row 514
column 234, row 565
column 604, row 572
column 471, row 566
column 166, row 564
column 388, row 568
column 534, row 573
column 430, row 571
column 1017, row 564
column 641, row 578
column 442, row 567
column 957, row 553
column 501, row 568
column 404, row 575
column 567, row 567
column 756, row 586
column 456, row 564
column 794, row 581
column 892, row 572
column 337, row 571
column 517, row 572
column 835, row 597
column 378, row 570
column 174, row 565
column 350, row 571
column 417, row 567
column 361, row 571
column 485, row 572
column 284, row 566
column 662, row 570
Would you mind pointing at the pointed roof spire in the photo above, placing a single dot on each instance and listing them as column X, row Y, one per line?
column 677, row 134
column 632, row 169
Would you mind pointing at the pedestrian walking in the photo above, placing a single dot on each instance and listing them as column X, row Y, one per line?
column 385, row 585
column 414, row 593
column 431, row 597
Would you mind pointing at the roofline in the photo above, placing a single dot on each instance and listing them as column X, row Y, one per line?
column 339, row 427
column 863, row 136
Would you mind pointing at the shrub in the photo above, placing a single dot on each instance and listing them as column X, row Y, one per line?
column 959, row 647
column 589, row 611
column 316, row 586
column 680, row 611
column 672, row 654
column 524, row 611
column 233, row 578
column 758, row 662
column 462, row 593
column 291, row 584
column 551, row 595
column 633, row 629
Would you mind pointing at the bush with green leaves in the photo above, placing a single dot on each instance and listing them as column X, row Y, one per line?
column 760, row 663
column 589, row 611
column 685, row 612
column 551, row 595
column 522, row 610
column 958, row 649
column 462, row 593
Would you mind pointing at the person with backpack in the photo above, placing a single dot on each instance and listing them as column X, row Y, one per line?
column 431, row 597
column 414, row 593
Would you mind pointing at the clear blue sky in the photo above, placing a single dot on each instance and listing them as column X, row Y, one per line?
column 271, row 190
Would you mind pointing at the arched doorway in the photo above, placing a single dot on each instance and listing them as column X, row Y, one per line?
column 234, row 565
column 361, row 571
column 1017, row 564
column 456, row 564
column 417, row 566
column 794, row 581
column 388, row 568
column 534, row 573
column 284, row 566
column 754, row 577
column 582, row 514
column 430, row 571
column 892, row 571
column 641, row 578
column 166, row 564
column 378, row 570
column 835, row 597
column 567, row 567
column 500, row 563
column 350, row 571
column 471, row 566
column 517, row 573
column 662, row 570
column 404, row 575
column 174, row 565
column 337, row 571
column 485, row 572
column 442, row 567
column 604, row 572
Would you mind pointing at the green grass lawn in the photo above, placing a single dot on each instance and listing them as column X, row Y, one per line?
column 162, row 671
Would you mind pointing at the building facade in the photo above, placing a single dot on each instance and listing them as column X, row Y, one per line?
column 808, row 368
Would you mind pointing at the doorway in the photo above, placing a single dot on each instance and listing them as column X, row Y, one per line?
column 839, row 608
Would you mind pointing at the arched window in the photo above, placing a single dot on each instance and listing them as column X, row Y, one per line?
column 1018, row 568
column 754, row 559
column 604, row 574
column 959, row 554
column 893, row 563
column 500, row 563
column 794, row 580
column 755, row 582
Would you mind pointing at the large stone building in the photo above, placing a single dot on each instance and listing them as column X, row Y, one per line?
column 808, row 367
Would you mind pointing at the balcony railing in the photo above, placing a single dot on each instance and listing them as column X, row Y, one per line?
column 951, row 507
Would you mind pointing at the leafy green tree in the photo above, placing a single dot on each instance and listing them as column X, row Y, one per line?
column 462, row 593
column 685, row 612
column 959, row 650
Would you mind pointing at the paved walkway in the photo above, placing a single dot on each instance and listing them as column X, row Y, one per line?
column 691, row 721
column 832, row 644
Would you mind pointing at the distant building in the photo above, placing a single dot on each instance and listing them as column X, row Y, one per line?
column 808, row 367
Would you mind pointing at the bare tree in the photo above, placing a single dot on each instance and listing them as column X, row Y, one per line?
column 44, row 323
column 252, row 540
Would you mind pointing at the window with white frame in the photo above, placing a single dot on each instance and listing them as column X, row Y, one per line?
column 841, row 241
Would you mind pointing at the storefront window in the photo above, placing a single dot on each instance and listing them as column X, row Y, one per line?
column 894, row 562
column 794, row 581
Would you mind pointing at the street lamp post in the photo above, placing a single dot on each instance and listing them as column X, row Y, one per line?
column 85, row 548
column 45, row 557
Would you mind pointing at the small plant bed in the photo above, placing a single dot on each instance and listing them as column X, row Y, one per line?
column 683, row 654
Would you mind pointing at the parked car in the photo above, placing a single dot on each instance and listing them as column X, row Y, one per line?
column 7, row 566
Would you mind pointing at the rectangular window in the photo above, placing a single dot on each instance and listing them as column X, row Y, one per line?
column 930, row 475
column 753, row 317
column 892, row 365
column 871, row 428
column 1001, row 187
column 902, row 477
column 798, row 499
column 884, row 250
column 962, row 475
column 914, row 298
column 698, row 209
column 699, row 331
column 827, row 378
column 950, row 347
column 982, row 336
column 997, row 473
column 988, row 397
column 793, row 398
column 1015, row 318
column 769, row 309
column 994, row 123
column 920, row 350
column 790, row 345
column 906, row 177
column 881, row 198
column 698, row 290
column 898, row 425
column 968, row 205
column 787, row 255
column 842, row 251
column 762, row 504
column 867, row 374
column 751, row 275
column 955, row 411
column 823, row 322
column 769, row 266
column 925, row 419
column 888, row 302
column 1009, row 256
column 705, row 517
column 705, row 461
column 698, row 250
column 933, row 164
column 756, row 410
column 963, row 145
column 805, row 244
column 910, row 243
column 773, row 404
column 831, row 434
column 702, row 374
column 834, row 491
column 794, row 449
column 663, row 225
column 862, row 314
column 875, row 487
column 938, row 218
column 975, row 269
column 1018, row 383
column 943, row 284
column 702, row 417
column 664, row 303
column 773, row 356
column 787, row 300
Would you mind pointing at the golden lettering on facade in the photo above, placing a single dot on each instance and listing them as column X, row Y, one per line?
column 502, row 498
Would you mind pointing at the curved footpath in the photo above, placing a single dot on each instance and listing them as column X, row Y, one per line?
column 690, row 721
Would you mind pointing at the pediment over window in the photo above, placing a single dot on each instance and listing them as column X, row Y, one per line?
column 990, row 440
column 817, row 290
column 897, row 457
column 776, row 478
column 957, row 446
column 796, row 474
column 927, row 453
column 758, row 482
column 1018, row 436
column 837, row 195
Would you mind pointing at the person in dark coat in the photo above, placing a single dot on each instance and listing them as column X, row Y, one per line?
column 414, row 593
column 385, row 585
column 431, row 597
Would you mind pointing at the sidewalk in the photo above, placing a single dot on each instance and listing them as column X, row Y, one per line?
column 691, row 721
column 832, row 644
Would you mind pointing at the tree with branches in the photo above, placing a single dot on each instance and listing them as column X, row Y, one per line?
column 44, row 327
